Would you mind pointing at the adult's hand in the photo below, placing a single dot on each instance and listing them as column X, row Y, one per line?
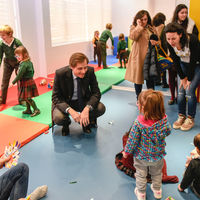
column 139, row 23
column 188, row 85
column 183, row 83
column 75, row 115
column 84, row 121
column 4, row 160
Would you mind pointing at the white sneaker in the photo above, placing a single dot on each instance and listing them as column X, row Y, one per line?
column 157, row 193
column 140, row 196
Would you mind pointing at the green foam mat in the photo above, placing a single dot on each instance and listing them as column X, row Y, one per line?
column 106, row 78
column 44, row 104
column 111, row 76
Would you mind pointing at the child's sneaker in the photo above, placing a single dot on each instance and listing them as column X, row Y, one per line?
column 157, row 193
column 140, row 196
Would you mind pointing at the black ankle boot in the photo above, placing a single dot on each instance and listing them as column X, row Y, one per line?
column 28, row 109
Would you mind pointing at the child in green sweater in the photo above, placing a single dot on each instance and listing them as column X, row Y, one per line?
column 27, row 88
column 122, row 53
column 7, row 48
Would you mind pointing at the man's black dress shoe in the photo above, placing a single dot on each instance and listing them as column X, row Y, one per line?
column 93, row 124
column 86, row 129
column 65, row 130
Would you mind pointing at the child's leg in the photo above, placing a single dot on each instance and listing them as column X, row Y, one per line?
column 140, row 175
column 14, row 182
column 39, row 192
column 155, row 171
column 120, row 60
column 7, row 72
column 33, row 105
column 28, row 108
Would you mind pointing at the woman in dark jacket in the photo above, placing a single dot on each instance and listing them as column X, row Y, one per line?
column 184, row 51
column 150, row 68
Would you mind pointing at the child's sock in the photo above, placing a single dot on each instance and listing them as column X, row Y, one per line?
column 39, row 192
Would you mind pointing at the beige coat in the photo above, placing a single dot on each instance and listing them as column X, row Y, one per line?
column 134, row 70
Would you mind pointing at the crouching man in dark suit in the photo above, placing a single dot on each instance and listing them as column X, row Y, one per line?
column 76, row 93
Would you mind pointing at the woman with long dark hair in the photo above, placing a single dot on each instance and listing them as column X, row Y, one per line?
column 184, row 50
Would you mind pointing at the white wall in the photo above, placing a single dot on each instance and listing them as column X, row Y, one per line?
column 123, row 13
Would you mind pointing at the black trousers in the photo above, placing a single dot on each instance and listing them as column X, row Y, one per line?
column 63, row 119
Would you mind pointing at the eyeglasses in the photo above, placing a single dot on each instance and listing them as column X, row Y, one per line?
column 17, row 56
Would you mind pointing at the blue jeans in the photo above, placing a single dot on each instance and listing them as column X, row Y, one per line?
column 189, row 93
column 14, row 182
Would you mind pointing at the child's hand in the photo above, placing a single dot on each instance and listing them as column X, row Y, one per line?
column 124, row 154
column 112, row 47
column 179, row 188
column 189, row 158
column 107, row 46
column 4, row 160
column 11, row 85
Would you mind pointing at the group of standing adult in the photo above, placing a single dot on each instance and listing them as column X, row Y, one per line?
column 180, row 39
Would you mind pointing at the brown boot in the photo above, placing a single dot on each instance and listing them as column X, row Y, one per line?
column 178, row 123
column 28, row 109
column 35, row 108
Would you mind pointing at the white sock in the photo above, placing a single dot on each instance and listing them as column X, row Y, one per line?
column 39, row 192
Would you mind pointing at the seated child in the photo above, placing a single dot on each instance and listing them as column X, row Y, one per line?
column 192, row 174
column 122, row 53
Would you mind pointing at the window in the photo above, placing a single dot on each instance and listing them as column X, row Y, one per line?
column 75, row 21
column 7, row 13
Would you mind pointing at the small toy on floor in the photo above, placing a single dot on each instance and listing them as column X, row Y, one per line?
column 50, row 85
column 43, row 82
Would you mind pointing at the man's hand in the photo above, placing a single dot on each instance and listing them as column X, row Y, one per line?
column 4, row 160
column 75, row 115
column 84, row 121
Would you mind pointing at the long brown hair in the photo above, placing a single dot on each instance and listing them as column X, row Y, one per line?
column 141, row 14
column 175, row 16
column 151, row 104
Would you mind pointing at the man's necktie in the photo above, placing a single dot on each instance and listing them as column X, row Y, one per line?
column 79, row 94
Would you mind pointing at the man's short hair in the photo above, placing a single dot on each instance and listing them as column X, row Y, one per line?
column 77, row 58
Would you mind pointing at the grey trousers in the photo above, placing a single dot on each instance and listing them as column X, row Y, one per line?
column 154, row 169
column 9, row 67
